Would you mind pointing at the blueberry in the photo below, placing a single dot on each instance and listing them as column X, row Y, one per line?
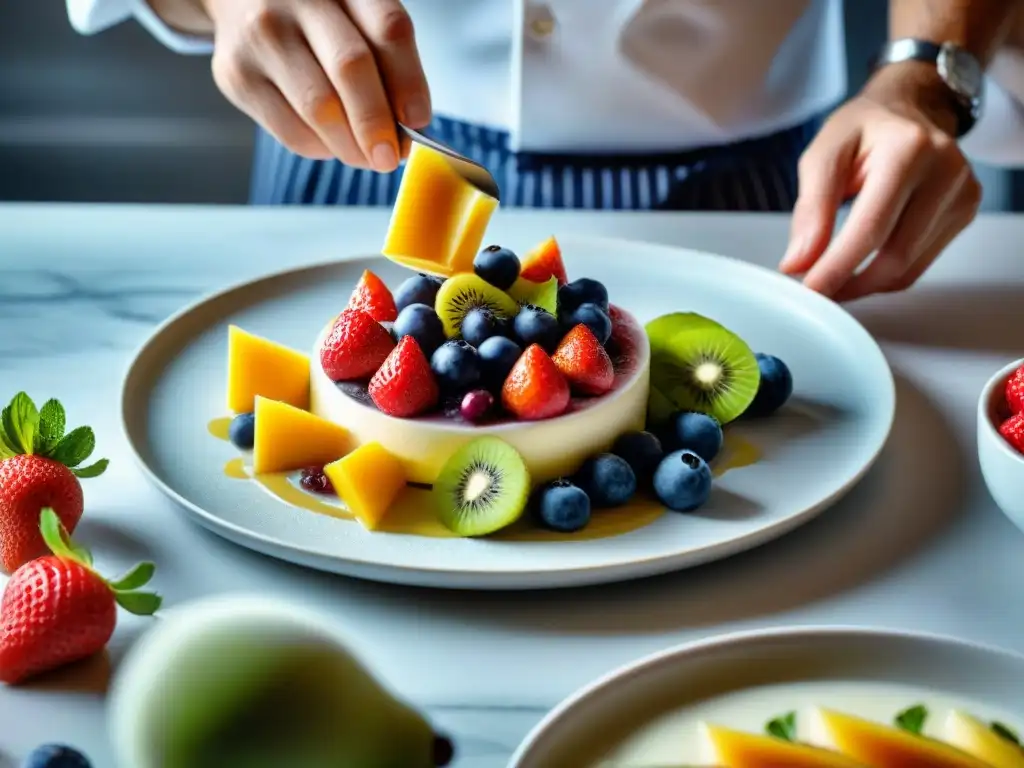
column 418, row 289
column 497, row 356
column 478, row 325
column 642, row 451
column 592, row 316
column 534, row 325
column 775, row 388
column 456, row 366
column 682, row 481
column 422, row 323
column 607, row 479
column 56, row 756
column 562, row 506
column 498, row 266
column 243, row 430
column 582, row 291
column 697, row 432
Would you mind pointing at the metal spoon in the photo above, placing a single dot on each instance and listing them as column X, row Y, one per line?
column 471, row 171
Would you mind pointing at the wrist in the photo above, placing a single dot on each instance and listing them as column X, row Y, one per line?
column 915, row 88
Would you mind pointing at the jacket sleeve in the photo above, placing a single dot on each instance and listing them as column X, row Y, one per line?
column 998, row 138
column 88, row 17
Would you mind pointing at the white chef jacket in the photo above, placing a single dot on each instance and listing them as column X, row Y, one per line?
column 629, row 75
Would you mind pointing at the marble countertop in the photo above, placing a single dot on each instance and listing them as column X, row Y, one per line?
column 918, row 545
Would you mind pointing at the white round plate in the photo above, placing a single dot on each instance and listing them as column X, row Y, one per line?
column 835, row 667
column 811, row 453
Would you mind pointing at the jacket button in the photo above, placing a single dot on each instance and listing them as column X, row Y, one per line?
column 541, row 22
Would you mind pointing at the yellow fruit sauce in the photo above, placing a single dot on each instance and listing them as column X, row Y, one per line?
column 408, row 515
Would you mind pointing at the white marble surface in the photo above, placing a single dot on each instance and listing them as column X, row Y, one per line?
column 918, row 545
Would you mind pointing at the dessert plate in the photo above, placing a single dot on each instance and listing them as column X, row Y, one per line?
column 646, row 713
column 782, row 471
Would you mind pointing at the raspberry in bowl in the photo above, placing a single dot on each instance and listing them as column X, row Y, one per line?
column 1001, row 439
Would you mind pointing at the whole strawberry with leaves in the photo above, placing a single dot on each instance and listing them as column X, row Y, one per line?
column 40, row 465
column 57, row 610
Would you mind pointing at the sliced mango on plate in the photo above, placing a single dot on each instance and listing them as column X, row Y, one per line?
column 368, row 480
column 288, row 438
column 970, row 735
column 260, row 367
column 737, row 749
column 439, row 219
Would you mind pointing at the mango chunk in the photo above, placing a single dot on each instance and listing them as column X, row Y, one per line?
column 258, row 366
column 736, row 749
column 882, row 746
column 976, row 738
column 288, row 438
column 439, row 219
column 368, row 480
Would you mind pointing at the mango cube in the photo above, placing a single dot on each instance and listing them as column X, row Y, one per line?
column 976, row 738
column 258, row 366
column 368, row 480
column 722, row 746
column 288, row 438
column 439, row 219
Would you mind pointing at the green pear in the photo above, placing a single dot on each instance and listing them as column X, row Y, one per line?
column 249, row 683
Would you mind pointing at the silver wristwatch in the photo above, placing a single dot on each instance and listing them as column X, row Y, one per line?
column 959, row 69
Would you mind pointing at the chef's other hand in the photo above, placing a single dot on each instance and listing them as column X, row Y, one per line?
column 893, row 148
column 328, row 78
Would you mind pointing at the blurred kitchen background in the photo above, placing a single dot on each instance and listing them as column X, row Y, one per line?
column 117, row 118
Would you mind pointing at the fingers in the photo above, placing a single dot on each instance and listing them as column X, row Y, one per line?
column 824, row 173
column 894, row 172
column 388, row 28
column 348, row 60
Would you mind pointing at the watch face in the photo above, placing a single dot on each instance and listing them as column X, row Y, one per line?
column 960, row 70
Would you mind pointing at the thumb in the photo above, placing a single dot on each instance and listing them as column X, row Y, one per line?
column 824, row 176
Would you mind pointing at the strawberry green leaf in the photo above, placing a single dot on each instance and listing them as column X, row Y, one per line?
column 20, row 421
column 56, row 536
column 912, row 719
column 782, row 727
column 5, row 451
column 139, row 603
column 93, row 470
column 52, row 422
column 135, row 578
column 75, row 447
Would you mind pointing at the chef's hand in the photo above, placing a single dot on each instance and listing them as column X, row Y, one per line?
column 893, row 147
column 328, row 78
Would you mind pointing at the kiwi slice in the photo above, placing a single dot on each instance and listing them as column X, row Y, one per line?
column 700, row 365
column 482, row 488
column 543, row 295
column 461, row 293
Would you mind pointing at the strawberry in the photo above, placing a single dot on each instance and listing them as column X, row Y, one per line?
column 1013, row 431
column 535, row 388
column 373, row 297
column 39, row 467
column 356, row 346
column 544, row 262
column 1015, row 391
column 584, row 362
column 57, row 609
column 404, row 386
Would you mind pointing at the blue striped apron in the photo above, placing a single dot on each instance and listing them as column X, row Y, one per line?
column 754, row 175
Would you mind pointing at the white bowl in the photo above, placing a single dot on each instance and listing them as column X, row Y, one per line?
column 1001, row 466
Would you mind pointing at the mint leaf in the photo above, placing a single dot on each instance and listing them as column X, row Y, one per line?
column 912, row 719
column 783, row 727
column 93, row 470
column 75, row 447
column 20, row 420
column 1004, row 732
column 52, row 422
column 139, row 603
column 135, row 578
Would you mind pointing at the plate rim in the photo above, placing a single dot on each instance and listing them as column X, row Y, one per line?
column 719, row 643
column 487, row 580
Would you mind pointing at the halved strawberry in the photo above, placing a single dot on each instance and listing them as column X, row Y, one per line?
column 1015, row 391
column 372, row 296
column 544, row 262
column 584, row 362
column 535, row 388
column 356, row 347
column 404, row 386
column 1012, row 431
